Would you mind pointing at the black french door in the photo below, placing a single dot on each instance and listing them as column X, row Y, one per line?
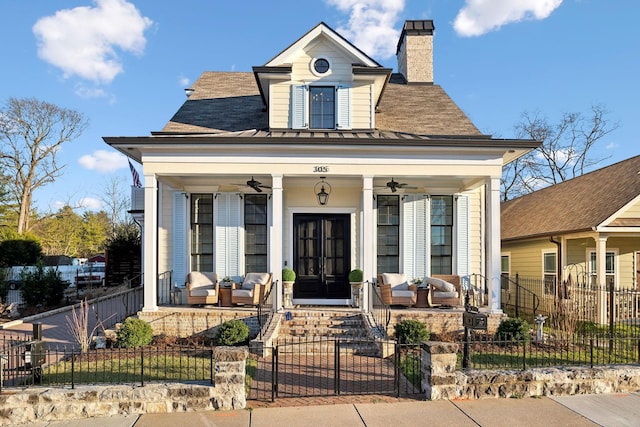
column 321, row 255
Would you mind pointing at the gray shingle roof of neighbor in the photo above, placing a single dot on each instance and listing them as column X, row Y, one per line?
column 578, row 204
column 230, row 102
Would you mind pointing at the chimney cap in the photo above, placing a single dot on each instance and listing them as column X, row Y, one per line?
column 415, row 27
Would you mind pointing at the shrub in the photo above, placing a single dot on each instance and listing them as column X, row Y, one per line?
column 232, row 332
column 19, row 251
column 134, row 332
column 288, row 275
column 411, row 332
column 356, row 275
column 514, row 329
column 42, row 286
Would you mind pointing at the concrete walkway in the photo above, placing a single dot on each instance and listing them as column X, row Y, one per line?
column 584, row 410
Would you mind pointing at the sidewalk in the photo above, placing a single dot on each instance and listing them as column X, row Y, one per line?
column 584, row 410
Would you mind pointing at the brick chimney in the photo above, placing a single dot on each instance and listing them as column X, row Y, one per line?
column 415, row 51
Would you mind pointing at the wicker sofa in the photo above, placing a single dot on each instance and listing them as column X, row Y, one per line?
column 252, row 290
column 439, row 294
column 395, row 290
column 202, row 287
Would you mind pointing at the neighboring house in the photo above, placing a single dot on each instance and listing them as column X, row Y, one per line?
column 585, row 230
column 322, row 160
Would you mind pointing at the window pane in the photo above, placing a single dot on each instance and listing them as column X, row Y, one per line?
column 550, row 263
column 388, row 231
column 442, row 234
column 322, row 107
column 255, row 231
column 202, row 232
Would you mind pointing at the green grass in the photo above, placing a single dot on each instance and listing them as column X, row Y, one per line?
column 410, row 365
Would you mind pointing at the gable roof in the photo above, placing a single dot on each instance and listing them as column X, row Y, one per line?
column 231, row 102
column 579, row 204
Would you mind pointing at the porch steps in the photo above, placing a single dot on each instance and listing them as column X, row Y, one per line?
column 315, row 332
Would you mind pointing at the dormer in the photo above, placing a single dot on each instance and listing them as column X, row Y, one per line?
column 321, row 82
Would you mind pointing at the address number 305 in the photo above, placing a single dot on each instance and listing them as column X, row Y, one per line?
column 321, row 169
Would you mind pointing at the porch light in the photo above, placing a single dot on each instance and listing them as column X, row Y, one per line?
column 324, row 191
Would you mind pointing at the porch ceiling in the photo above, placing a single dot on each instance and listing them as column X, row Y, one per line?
column 236, row 182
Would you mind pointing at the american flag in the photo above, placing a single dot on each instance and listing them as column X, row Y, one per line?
column 136, row 177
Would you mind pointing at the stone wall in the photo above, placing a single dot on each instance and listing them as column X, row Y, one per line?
column 441, row 322
column 441, row 381
column 48, row 404
column 186, row 322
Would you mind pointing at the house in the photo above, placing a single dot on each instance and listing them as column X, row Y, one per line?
column 322, row 160
column 582, row 230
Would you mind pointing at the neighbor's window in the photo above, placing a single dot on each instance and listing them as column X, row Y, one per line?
column 504, row 271
column 388, row 234
column 441, row 234
column 610, row 268
column 550, row 266
column 202, row 232
column 255, row 226
column 322, row 107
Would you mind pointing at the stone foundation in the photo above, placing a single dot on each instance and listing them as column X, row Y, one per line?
column 441, row 321
column 441, row 381
column 48, row 404
column 183, row 322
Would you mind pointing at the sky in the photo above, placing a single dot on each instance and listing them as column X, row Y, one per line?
column 124, row 64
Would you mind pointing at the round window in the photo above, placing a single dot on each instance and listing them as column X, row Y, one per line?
column 321, row 66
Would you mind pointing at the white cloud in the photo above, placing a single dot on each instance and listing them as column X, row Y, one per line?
column 371, row 25
column 479, row 17
column 83, row 41
column 183, row 81
column 103, row 161
column 90, row 203
column 612, row 145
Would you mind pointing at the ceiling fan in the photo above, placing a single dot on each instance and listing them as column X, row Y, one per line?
column 394, row 185
column 256, row 185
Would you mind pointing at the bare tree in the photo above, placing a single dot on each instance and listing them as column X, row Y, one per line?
column 32, row 132
column 115, row 202
column 565, row 151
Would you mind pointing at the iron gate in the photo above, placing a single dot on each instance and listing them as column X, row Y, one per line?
column 324, row 366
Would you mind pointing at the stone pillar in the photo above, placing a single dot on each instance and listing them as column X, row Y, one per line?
column 229, row 377
column 439, row 370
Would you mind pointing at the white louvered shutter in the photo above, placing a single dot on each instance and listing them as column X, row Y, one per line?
column 415, row 235
column 179, row 242
column 343, row 109
column 299, row 107
column 462, row 235
column 228, row 233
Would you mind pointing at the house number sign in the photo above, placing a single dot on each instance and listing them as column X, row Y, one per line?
column 320, row 169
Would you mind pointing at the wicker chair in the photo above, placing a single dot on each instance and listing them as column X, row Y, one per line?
column 394, row 289
column 439, row 295
column 202, row 287
column 252, row 290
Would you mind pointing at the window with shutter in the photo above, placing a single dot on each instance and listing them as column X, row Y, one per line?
column 202, row 232
column 343, row 107
column 320, row 107
column 415, row 234
column 228, row 234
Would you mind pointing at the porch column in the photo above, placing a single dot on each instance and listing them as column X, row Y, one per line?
column 275, row 240
column 493, row 243
column 150, row 243
column 367, row 255
column 601, row 277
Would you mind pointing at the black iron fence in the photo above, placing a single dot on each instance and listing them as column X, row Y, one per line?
column 325, row 366
column 380, row 311
column 265, row 309
column 24, row 365
column 491, row 352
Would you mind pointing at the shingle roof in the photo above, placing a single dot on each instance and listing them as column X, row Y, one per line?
column 574, row 205
column 230, row 102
